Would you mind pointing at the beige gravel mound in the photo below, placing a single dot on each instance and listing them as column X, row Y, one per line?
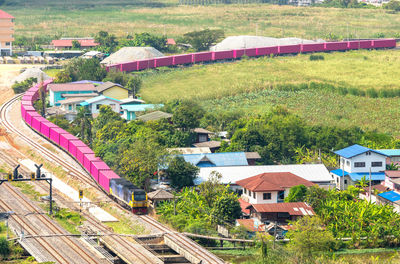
column 32, row 73
column 128, row 54
column 246, row 42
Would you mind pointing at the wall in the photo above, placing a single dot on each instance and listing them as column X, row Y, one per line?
column 116, row 93
column 94, row 110
column 368, row 159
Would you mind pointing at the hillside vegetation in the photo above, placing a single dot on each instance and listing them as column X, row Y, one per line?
column 345, row 89
column 122, row 17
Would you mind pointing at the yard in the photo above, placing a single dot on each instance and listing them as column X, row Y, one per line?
column 256, row 85
column 121, row 17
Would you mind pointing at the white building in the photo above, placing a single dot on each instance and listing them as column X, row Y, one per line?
column 95, row 103
column 357, row 162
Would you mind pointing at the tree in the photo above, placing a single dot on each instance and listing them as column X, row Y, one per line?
column 107, row 41
column 227, row 208
column 62, row 77
column 181, row 173
column 84, row 119
column 85, row 69
column 134, row 84
column 76, row 44
column 309, row 238
column 296, row 194
column 117, row 76
column 145, row 40
column 106, row 115
column 5, row 249
column 187, row 115
column 140, row 160
column 393, row 5
column 202, row 40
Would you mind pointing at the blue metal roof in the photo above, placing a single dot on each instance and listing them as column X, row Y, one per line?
column 339, row 172
column 390, row 152
column 355, row 150
column 356, row 176
column 391, row 196
column 88, row 81
column 217, row 159
column 139, row 107
column 375, row 176
column 96, row 99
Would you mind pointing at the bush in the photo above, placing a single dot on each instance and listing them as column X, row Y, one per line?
column 316, row 57
column 21, row 87
column 372, row 93
column 5, row 248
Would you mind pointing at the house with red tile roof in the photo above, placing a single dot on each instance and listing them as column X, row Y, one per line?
column 6, row 33
column 280, row 212
column 66, row 43
column 269, row 188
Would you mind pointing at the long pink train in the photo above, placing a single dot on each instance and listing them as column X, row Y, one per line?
column 94, row 165
column 200, row 57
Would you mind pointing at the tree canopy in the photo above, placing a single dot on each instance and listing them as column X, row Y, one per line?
column 204, row 39
column 181, row 173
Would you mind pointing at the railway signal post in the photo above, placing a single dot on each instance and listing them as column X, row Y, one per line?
column 16, row 177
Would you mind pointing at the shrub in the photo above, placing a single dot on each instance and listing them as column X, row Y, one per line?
column 372, row 93
column 316, row 57
column 20, row 87
column 5, row 249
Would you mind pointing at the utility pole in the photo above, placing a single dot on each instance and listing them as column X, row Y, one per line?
column 369, row 191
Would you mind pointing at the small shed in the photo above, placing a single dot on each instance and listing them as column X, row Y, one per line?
column 160, row 195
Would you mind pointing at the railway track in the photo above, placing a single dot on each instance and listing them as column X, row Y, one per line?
column 186, row 243
column 71, row 251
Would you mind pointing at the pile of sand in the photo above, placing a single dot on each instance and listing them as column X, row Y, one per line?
column 32, row 73
column 128, row 54
column 245, row 42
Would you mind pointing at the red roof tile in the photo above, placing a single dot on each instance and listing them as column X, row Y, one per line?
column 392, row 173
column 244, row 205
column 249, row 225
column 171, row 41
column 298, row 208
column 380, row 187
column 4, row 14
column 57, row 87
column 272, row 181
column 68, row 42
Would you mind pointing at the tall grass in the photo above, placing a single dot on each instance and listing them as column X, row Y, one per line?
column 122, row 17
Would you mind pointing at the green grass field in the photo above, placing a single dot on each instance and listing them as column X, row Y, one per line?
column 85, row 18
column 252, row 87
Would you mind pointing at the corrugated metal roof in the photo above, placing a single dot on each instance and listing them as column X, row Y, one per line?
column 208, row 144
column 97, row 99
column 139, row 107
column 390, row 152
column 217, row 159
column 356, row 176
column 60, row 87
column 298, row 208
column 355, row 150
column 156, row 115
column 391, row 196
column 316, row 173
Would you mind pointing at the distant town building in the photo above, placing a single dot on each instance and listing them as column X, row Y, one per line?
column 6, row 33
column 67, row 43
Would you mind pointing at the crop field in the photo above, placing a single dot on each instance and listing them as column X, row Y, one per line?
column 121, row 17
column 255, row 85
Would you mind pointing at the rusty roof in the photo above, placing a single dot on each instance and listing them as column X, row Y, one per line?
column 272, row 181
column 60, row 87
column 392, row 173
column 298, row 208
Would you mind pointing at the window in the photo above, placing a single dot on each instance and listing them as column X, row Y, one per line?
column 98, row 106
column 254, row 195
column 281, row 196
column 266, row 196
column 8, row 43
column 368, row 153
column 69, row 107
column 347, row 163
column 359, row 164
column 337, row 180
column 345, row 181
column 376, row 164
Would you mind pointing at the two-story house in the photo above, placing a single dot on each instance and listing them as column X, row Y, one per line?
column 269, row 187
column 357, row 162
column 6, row 33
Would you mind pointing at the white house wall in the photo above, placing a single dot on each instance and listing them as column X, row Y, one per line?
column 368, row 159
column 94, row 110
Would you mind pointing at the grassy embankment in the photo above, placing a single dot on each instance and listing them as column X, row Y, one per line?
column 256, row 85
column 85, row 18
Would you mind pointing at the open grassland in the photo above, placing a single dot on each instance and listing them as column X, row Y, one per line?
column 121, row 17
column 254, row 86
